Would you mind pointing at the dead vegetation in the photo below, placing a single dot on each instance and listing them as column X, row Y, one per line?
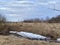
column 47, row 29
column 13, row 40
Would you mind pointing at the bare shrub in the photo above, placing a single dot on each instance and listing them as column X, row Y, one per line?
column 3, row 26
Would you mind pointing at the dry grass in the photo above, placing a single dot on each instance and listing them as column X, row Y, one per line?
column 47, row 29
column 52, row 30
column 4, row 28
column 13, row 40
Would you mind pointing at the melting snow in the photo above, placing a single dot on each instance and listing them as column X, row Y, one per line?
column 13, row 32
column 58, row 39
column 30, row 35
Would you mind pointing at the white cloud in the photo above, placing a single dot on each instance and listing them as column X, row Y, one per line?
column 10, row 5
column 43, row 4
column 11, row 14
column 18, row 3
column 52, row 2
column 6, row 9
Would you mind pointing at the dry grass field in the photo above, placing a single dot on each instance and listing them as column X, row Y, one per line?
column 13, row 40
column 47, row 29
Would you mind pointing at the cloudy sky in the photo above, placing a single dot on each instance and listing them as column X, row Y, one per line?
column 18, row 10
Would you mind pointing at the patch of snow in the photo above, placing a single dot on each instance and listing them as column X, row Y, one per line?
column 13, row 32
column 31, row 35
column 58, row 39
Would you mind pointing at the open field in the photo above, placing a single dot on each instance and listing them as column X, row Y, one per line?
column 47, row 29
column 13, row 40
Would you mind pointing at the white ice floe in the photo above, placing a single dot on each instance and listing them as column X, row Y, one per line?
column 58, row 39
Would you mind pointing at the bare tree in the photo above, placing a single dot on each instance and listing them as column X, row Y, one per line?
column 2, row 18
column 55, row 19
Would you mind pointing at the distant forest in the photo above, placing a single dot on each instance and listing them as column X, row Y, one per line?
column 52, row 20
column 48, row 20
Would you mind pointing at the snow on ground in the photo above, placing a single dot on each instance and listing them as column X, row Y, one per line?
column 58, row 39
column 13, row 32
column 33, row 36
column 30, row 35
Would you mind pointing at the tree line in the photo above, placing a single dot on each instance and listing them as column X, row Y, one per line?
column 48, row 20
